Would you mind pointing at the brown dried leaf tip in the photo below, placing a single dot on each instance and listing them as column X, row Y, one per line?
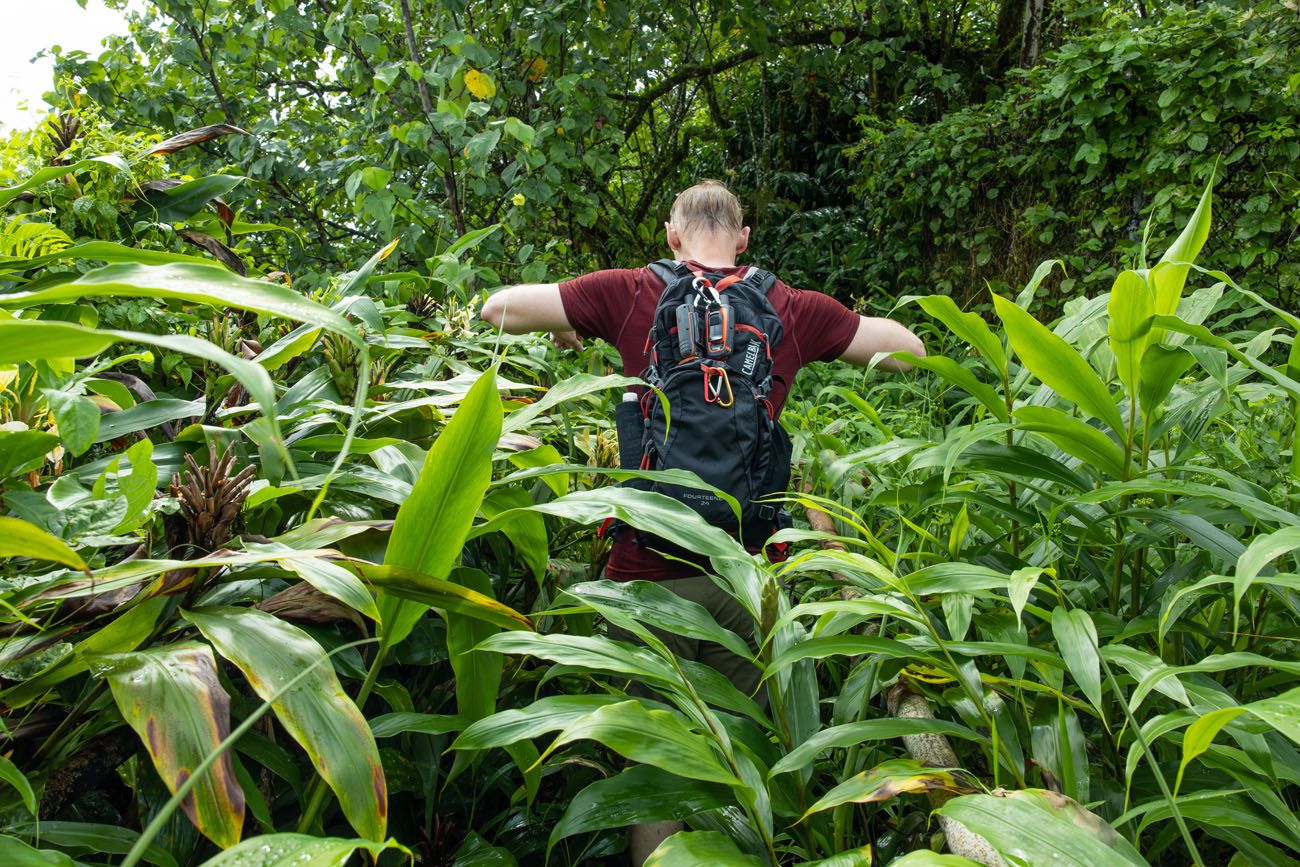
column 210, row 499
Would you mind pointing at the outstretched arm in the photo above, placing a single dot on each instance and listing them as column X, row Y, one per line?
column 527, row 307
column 876, row 334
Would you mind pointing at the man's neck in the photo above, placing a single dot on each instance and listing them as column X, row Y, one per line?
column 710, row 258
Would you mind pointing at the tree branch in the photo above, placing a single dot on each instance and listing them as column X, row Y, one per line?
column 642, row 101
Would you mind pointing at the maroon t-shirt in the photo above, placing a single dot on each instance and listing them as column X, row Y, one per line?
column 618, row 305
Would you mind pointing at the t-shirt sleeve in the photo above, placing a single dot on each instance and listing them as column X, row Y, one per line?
column 825, row 326
column 597, row 303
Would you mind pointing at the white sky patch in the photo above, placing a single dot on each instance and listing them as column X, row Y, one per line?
column 31, row 26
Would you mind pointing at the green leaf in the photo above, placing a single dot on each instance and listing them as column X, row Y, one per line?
column 296, row 850
column 1161, row 368
column 391, row 724
column 336, row 581
column 147, row 415
column 652, row 737
column 1131, row 306
column 649, row 511
column 1200, row 734
column 316, row 712
column 527, row 532
column 125, row 632
column 693, row 848
column 1074, row 437
column 444, row 595
column 478, row 673
column 481, row 145
column 887, row 781
column 970, row 327
column 1262, row 551
column 517, row 129
column 77, row 417
column 650, row 603
column 173, row 700
column 1076, row 636
column 853, row 734
column 549, row 714
column 1058, row 364
column 16, row 853
column 375, row 177
column 10, row 774
column 842, row 645
column 1204, row 335
column 196, row 283
column 185, row 200
column 292, row 345
column 18, row 538
column 28, row 340
column 1170, row 274
column 639, row 795
column 432, row 524
column 108, row 251
column 926, row 858
column 1282, row 712
column 23, row 450
column 960, row 377
column 1034, row 826
column 44, row 176
column 575, row 386
column 94, row 837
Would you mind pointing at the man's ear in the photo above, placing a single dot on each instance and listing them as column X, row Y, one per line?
column 742, row 241
column 674, row 239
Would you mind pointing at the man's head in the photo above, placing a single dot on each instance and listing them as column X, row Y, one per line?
column 706, row 221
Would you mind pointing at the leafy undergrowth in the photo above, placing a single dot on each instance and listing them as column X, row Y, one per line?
column 290, row 576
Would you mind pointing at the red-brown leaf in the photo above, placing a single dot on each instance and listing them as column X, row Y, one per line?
column 183, row 140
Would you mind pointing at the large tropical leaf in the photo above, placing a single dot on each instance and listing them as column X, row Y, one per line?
column 432, row 524
column 970, row 327
column 173, row 700
column 693, row 848
column 653, row 737
column 19, row 538
column 888, row 780
column 1131, row 306
column 544, row 715
column 1170, row 274
column 1058, row 364
column 650, row 603
column 296, row 850
column 316, row 712
column 1076, row 636
column 639, row 795
column 185, row 281
column 1034, row 826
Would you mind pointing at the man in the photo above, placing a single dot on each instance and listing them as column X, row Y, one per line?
column 705, row 230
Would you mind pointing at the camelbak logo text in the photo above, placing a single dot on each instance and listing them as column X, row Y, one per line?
column 751, row 358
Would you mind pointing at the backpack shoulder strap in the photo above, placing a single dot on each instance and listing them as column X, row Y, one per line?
column 760, row 280
column 667, row 270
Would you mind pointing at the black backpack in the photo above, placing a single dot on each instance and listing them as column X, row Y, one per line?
column 709, row 352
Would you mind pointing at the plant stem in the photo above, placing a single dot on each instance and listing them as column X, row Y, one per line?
column 1151, row 761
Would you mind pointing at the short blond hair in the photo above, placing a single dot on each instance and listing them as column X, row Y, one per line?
column 706, row 208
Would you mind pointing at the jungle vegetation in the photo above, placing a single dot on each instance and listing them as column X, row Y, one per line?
column 296, row 554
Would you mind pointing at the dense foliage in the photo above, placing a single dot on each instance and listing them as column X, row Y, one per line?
column 298, row 564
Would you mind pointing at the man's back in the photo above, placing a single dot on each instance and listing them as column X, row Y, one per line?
column 618, row 306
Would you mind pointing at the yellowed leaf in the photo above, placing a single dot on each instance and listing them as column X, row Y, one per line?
column 480, row 84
